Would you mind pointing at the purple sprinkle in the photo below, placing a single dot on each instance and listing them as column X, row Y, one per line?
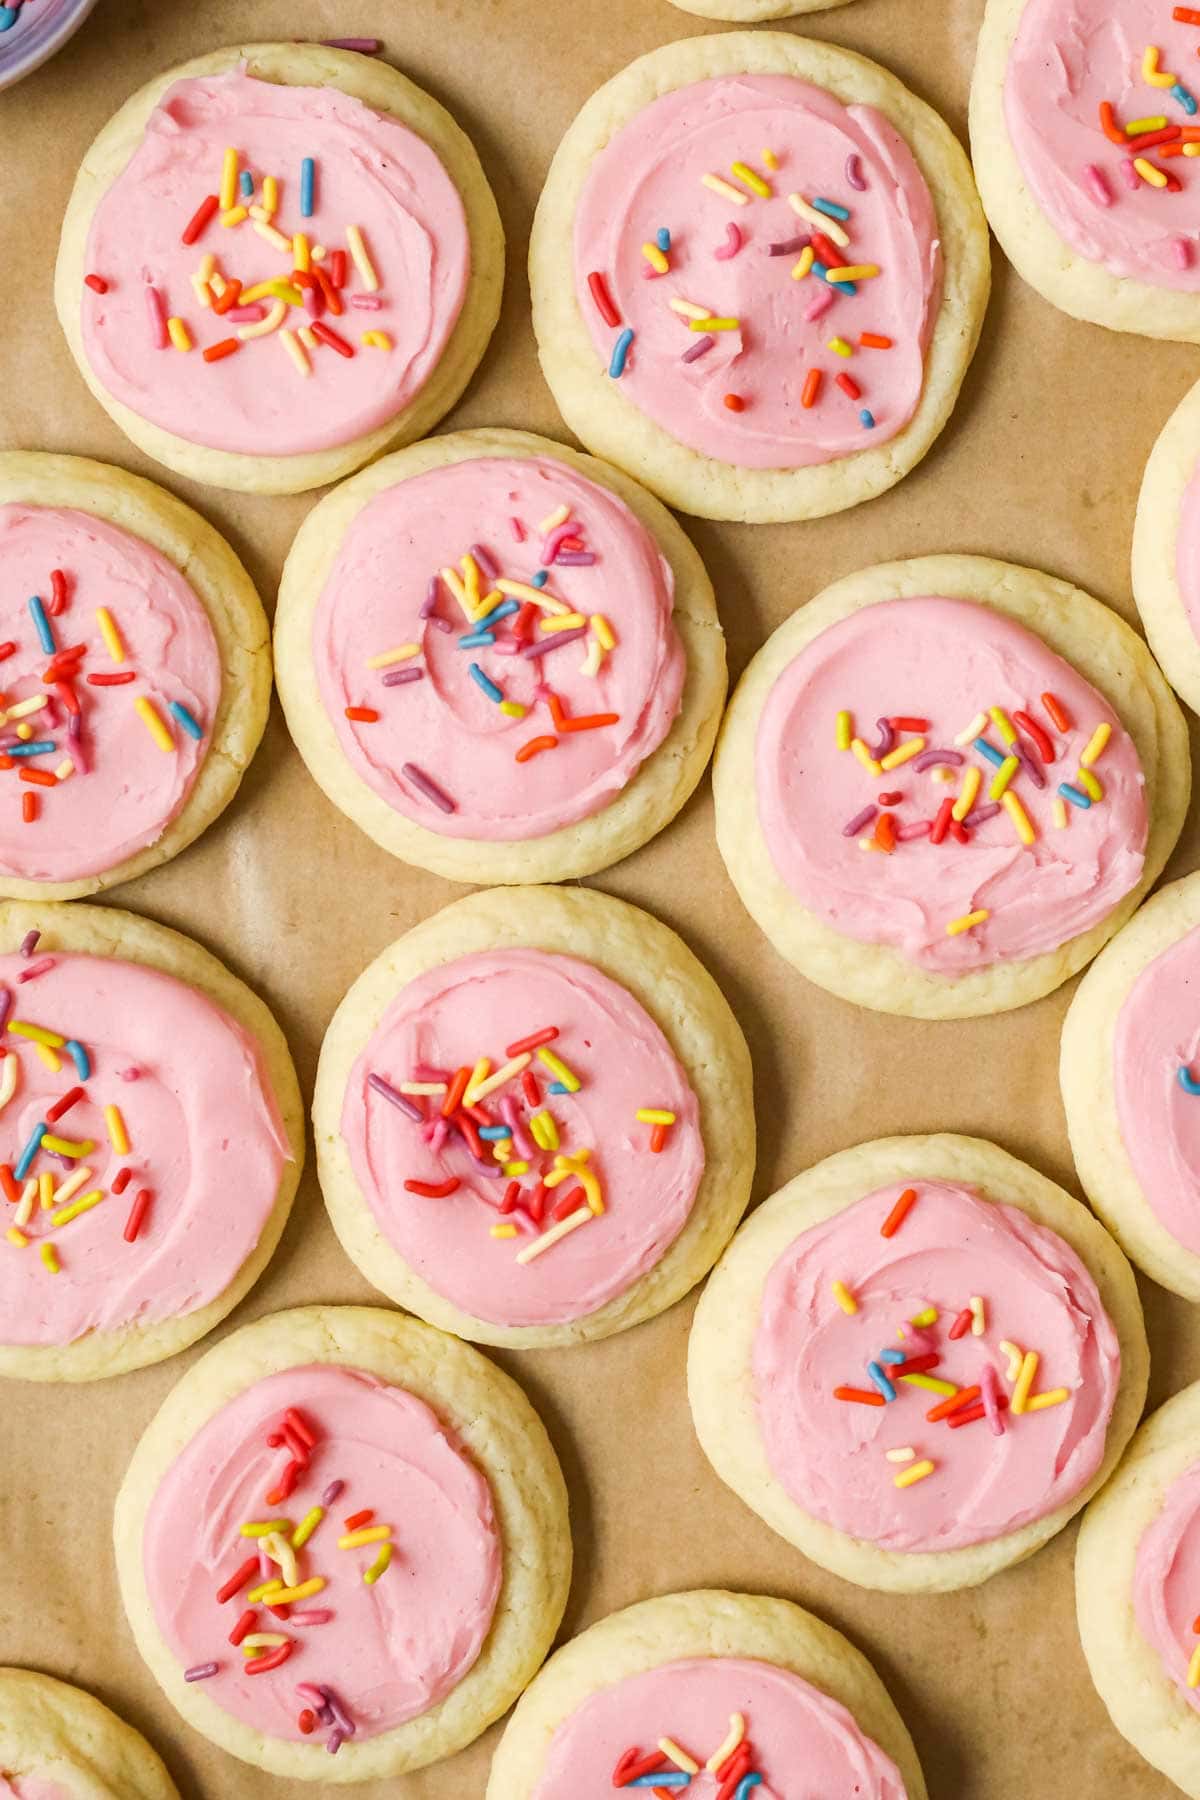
column 200, row 1671
column 887, row 737
column 859, row 820
column 981, row 815
column 575, row 559
column 29, row 942
column 487, row 1168
column 698, row 348
column 790, row 246
column 554, row 640
column 398, row 677
column 345, row 1723
column 406, row 1106
column 79, row 753
column 429, row 788
column 854, row 174
column 331, row 1492
column 487, row 567
column 431, row 598
column 334, row 1741
column 929, row 759
column 364, row 46
column 42, row 967
column 6, row 1005
column 1029, row 763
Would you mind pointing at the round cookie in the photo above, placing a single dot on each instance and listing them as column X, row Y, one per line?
column 175, row 657
column 1136, row 1565
column 378, row 334
column 1166, row 549
column 613, row 997
column 1078, row 205
column 430, row 1547
column 57, row 1743
column 933, row 903
column 917, row 1361
column 433, row 734
column 117, row 1031
column 785, row 398
column 1129, row 1051
column 733, row 1681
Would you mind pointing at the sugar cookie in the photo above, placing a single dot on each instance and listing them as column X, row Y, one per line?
column 1166, row 549
column 57, row 1743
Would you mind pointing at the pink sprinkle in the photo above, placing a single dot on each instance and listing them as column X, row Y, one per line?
column 246, row 315
column 483, row 557
column 918, row 829
column 42, row 967
column 506, row 647
column 821, row 302
column 366, row 302
column 1181, row 252
column 732, row 244
column 439, row 1134
column 521, row 1140
column 551, row 542
column 854, row 174
column 130, row 1074
column 991, row 1402
column 313, row 1615
column 1129, row 173
column 1096, row 185
column 918, row 1342
column 517, row 529
column 314, row 302
column 156, row 317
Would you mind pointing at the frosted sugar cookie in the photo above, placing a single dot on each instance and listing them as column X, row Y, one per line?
column 57, row 1743
column 343, row 1544
column 135, row 675
column 759, row 268
column 534, row 1118
column 724, row 1688
column 500, row 658
column 278, row 260
column 1137, row 1574
column 151, row 1139
column 1082, row 118
column 917, row 1361
column 1166, row 549
column 943, row 784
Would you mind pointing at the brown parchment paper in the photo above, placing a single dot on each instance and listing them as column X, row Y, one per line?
column 1040, row 464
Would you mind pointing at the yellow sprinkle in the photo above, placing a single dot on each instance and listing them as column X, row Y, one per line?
column 688, row 309
column 401, row 653
column 152, row 719
column 559, row 1070
column 260, row 1528
column 752, row 179
column 263, row 1640
column 832, row 230
column 362, row 259
column 40, row 1189
column 967, row 921
column 553, row 520
column 370, row 1534
column 1090, row 785
column 715, row 325
column 237, row 215
column 803, row 263
column 1151, row 72
column 840, row 346
column 264, row 327
column 1060, row 812
column 377, row 340
column 1052, row 1397
column 1094, row 748
column 968, row 793
column 1193, row 1669
column 202, row 277
column 9, row 1070
column 726, row 190
column 266, row 1590
column 307, row 1526
column 1003, row 724
column 301, row 257
column 1015, row 1355
column 179, row 334
column 978, row 1317
column 931, row 1383
column 853, row 272
column 563, row 622
column 1020, row 1393
column 927, row 1316
column 307, row 336
column 737, row 1724
column 655, row 258
column 22, row 710
column 844, row 1297
column 25, row 732
column 50, row 1057
column 65, row 1214
column 503, row 1231
column 603, row 631
column 902, row 754
column 1191, row 149
column 1136, row 127
column 272, row 235
column 270, row 194
column 229, row 180
column 548, row 1239
column 772, row 162
column 108, row 631
column 544, row 1130
column 514, row 1169
column 1149, row 173
column 902, row 1455
column 49, row 1256
column 17, row 1237
column 521, row 590
column 679, row 1757
column 844, row 730
column 65, row 769
column 480, row 1090
column 285, row 1596
column 39, row 1033
column 1004, row 774
column 71, row 1185
column 66, row 1146
column 371, row 1575
column 865, row 758
column 654, row 1115
column 972, row 731
column 917, row 1472
column 295, row 350
column 114, row 1124
column 1020, row 818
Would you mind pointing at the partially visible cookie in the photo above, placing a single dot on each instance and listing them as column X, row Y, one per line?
column 753, row 12
column 57, row 1743
column 736, row 1685
column 917, row 1361
column 343, row 1544
column 1166, row 548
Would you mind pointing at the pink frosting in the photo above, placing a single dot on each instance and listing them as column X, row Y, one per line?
column 943, row 661
column 1187, row 551
column 830, row 1454
column 649, row 177
column 390, row 1650
column 30, row 1787
column 124, row 790
column 448, row 725
column 477, row 1006
column 1157, row 1034
column 1069, row 56
column 204, row 1134
column 802, row 1743
column 1166, row 1581
column 371, row 171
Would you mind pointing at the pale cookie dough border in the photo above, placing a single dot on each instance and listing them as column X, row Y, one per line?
column 1098, row 644
column 592, row 403
column 384, row 90
column 1089, row 1094
column 107, row 931
column 654, row 966
column 721, row 1349
column 1169, row 471
column 703, row 1623
column 1084, row 289
column 659, row 787
column 53, row 1729
column 503, row 1436
column 235, row 612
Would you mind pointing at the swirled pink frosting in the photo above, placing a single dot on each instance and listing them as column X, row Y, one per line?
column 1067, row 57
column 445, row 722
column 390, row 1650
column 124, row 790
column 649, row 177
column 1187, row 551
column 943, row 661
column 30, row 1787
column 371, row 171
column 205, row 1139
column 1158, row 1033
column 1166, row 1581
column 476, row 1006
column 830, row 1454
column 795, row 1732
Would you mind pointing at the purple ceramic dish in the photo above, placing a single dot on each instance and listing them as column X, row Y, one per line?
column 31, row 33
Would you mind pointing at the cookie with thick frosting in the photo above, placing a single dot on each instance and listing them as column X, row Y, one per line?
column 343, row 1544
column 278, row 261
column 917, row 1361
column 759, row 269
column 502, row 659
column 943, row 784
column 151, row 1139
column 534, row 1118
column 1166, row 549
column 721, row 1687
column 58, row 1743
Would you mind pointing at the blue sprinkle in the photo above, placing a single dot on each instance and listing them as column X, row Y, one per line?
column 744, row 1786
column 476, row 640
column 246, row 183
column 541, row 578
column 307, row 175
column 21, row 1166
column 1187, row 1081
column 485, row 682
column 557, row 1087
column 989, row 750
column 831, row 209
column 881, row 1381
column 662, row 236
column 80, row 1057
column 821, row 271
column 866, row 419
column 616, row 367
column 42, row 747
column 672, row 1778
column 892, row 1356
column 497, row 613
column 190, row 724
column 8, row 17
column 1186, row 100
column 1073, row 794
column 44, row 630
column 495, row 1132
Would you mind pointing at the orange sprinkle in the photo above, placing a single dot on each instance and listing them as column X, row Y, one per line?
column 39, row 777
column 871, row 340
column 226, row 347
column 1109, row 126
column 228, row 297
column 455, row 1092
column 860, row 1394
column 1058, row 712
column 30, row 808
column 589, row 721
column 952, row 1404
column 885, row 832
column 534, row 746
column 899, row 1213
column 735, row 403
column 812, row 387
column 658, row 1138
column 366, row 715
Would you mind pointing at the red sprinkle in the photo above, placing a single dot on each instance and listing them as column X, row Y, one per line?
column 916, row 1365
column 97, row 283
column 603, row 299
column 307, row 1721
column 216, row 352
column 891, row 799
column 941, row 823
column 327, row 336
column 262, row 1665
column 111, row 680
column 860, row 1394
column 121, row 1179
column 904, row 723
column 69, row 1099
column 735, row 403
column 200, row 218
column 1058, row 712
column 67, row 695
column 530, row 1089
column 337, row 268
column 332, row 298
column 365, row 715
column 633, row 1763
column 7, row 649
column 137, row 1213
column 301, row 1427
column 469, row 1131
column 238, row 1580
column 534, row 1041
column 58, row 592
column 899, row 1213
column 29, row 808
column 849, row 386
column 285, row 1484
column 958, row 831
column 432, row 1190
column 1149, row 140
column 535, row 1205
column 358, row 1519
column 245, row 1623
column 512, row 1194
column 826, row 252
column 961, row 1325
column 1045, row 744
column 562, row 1209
